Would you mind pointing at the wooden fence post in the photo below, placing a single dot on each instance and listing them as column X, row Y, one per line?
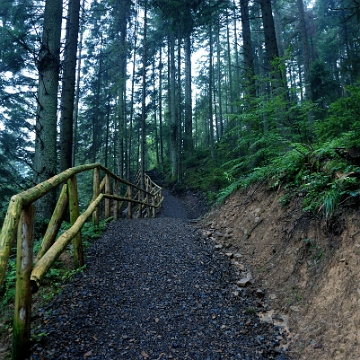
column 154, row 203
column 140, row 197
column 147, row 200
column 74, row 214
column 129, row 202
column 96, row 192
column 22, row 314
column 108, row 192
column 115, row 202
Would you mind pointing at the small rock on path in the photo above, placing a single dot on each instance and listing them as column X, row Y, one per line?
column 154, row 289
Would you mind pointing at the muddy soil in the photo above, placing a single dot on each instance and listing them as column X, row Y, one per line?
column 308, row 268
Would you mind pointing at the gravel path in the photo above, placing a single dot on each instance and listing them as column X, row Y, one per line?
column 154, row 289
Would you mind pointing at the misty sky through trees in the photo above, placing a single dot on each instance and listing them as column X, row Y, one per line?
column 172, row 85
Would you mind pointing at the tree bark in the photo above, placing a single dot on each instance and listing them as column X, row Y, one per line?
column 188, row 143
column 305, row 49
column 247, row 50
column 143, row 101
column 132, row 94
column 77, row 91
column 178, row 116
column 123, row 20
column 231, row 89
column 45, row 161
column 160, row 112
column 220, row 122
column 271, row 47
column 211, row 71
column 68, row 85
column 236, row 54
column 172, row 107
column 96, row 116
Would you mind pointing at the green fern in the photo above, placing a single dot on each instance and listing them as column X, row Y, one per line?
column 331, row 200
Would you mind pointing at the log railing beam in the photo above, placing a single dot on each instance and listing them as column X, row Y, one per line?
column 8, row 232
column 20, row 219
column 55, row 222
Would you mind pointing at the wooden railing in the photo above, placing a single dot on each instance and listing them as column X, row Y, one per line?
column 19, row 220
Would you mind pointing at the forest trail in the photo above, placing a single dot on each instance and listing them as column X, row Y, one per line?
column 156, row 289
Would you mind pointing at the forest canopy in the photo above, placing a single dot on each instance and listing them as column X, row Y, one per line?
column 214, row 94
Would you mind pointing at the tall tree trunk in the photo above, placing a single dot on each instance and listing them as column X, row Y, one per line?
column 271, row 47
column 279, row 31
column 248, row 51
column 277, row 86
column 160, row 113
column 236, row 53
column 121, row 109
column 95, row 117
column 231, row 86
column 107, row 131
column 188, row 143
column 211, row 71
column 178, row 117
column 77, row 91
column 68, row 85
column 45, row 161
column 131, row 113
column 143, row 101
column 172, row 107
column 220, row 123
column 305, row 49
column 120, row 131
column 156, row 109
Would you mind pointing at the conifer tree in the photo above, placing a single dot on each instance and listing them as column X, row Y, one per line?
column 48, row 64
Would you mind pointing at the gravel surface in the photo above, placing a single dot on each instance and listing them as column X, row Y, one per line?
column 154, row 289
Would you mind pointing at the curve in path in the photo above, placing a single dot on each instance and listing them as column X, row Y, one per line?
column 153, row 289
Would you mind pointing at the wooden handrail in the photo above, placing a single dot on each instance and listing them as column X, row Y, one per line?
column 20, row 219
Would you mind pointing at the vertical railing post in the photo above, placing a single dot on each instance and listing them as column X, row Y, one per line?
column 96, row 192
column 24, row 262
column 130, row 203
column 147, row 200
column 74, row 214
column 140, row 198
column 116, row 203
column 154, row 203
column 160, row 197
column 108, row 192
column 147, row 188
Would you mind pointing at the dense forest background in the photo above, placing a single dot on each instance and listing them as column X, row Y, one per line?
column 214, row 94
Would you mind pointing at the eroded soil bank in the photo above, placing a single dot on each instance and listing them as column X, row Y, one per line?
column 307, row 267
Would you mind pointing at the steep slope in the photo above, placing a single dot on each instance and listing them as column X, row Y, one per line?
column 308, row 268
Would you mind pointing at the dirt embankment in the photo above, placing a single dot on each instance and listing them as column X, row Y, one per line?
column 308, row 268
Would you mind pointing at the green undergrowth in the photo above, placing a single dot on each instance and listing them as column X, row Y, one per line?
column 321, row 177
column 310, row 152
